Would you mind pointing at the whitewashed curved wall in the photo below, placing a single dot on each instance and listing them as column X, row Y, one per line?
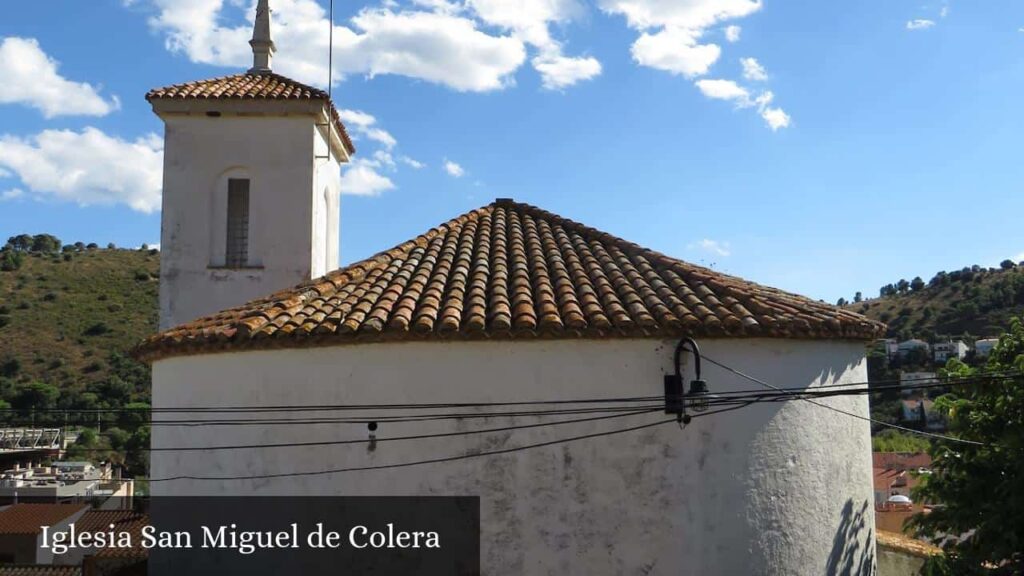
column 771, row 489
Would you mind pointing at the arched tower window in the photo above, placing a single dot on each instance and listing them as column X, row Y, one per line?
column 236, row 254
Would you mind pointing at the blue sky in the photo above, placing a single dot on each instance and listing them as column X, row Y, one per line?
column 864, row 143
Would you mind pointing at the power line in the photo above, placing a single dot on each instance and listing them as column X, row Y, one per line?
column 858, row 416
column 338, row 407
column 419, row 462
column 390, row 439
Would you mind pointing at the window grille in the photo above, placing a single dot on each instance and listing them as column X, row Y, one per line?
column 238, row 223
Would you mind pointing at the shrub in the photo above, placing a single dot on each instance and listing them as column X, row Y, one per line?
column 97, row 329
column 11, row 261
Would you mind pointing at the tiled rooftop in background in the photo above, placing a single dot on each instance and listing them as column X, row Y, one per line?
column 251, row 87
column 30, row 518
column 513, row 271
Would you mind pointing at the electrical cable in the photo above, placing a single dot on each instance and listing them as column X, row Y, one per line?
column 418, row 462
column 858, row 416
column 390, row 439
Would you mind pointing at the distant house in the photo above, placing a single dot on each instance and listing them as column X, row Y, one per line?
column 921, row 410
column 909, row 379
column 889, row 482
column 891, row 347
column 907, row 346
column 984, row 346
column 65, row 482
column 943, row 351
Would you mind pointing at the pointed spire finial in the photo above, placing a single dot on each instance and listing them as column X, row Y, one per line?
column 263, row 47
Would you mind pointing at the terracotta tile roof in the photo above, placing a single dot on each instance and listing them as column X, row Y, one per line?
column 40, row 570
column 124, row 521
column 888, row 478
column 251, row 87
column 511, row 271
column 30, row 518
column 901, row 460
column 905, row 543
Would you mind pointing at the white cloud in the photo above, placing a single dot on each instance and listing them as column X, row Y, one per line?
column 356, row 118
column 558, row 72
column 752, row 70
column 730, row 91
column 365, row 124
column 475, row 45
column 675, row 50
column 411, row 162
column 725, row 90
column 453, row 169
column 687, row 14
column 87, row 167
column 775, row 118
column 12, row 194
column 530, row 20
column 920, row 24
column 715, row 247
column 363, row 176
column 360, row 178
column 670, row 30
column 30, row 77
column 670, row 40
column 440, row 46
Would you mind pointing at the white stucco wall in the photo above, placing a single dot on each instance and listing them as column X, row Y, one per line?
column 771, row 489
column 293, row 228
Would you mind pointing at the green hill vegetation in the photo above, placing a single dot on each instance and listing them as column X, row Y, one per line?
column 68, row 316
column 970, row 303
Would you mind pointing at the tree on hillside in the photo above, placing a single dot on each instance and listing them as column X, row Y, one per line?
column 21, row 242
column 978, row 486
column 858, row 297
column 47, row 243
column 916, row 284
column 841, row 302
column 1007, row 264
column 902, row 286
column 887, row 290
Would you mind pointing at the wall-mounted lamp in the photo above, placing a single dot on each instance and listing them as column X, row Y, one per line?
column 675, row 398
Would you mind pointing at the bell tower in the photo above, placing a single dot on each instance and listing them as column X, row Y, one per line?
column 252, row 178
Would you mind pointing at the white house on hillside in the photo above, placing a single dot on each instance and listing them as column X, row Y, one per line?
column 907, row 346
column 943, row 351
column 984, row 346
column 505, row 303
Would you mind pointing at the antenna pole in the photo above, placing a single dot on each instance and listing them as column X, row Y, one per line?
column 330, row 81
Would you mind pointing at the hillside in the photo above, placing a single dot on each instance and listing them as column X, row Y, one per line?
column 975, row 301
column 63, row 315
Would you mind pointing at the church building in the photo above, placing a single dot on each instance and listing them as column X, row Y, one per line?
column 506, row 305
